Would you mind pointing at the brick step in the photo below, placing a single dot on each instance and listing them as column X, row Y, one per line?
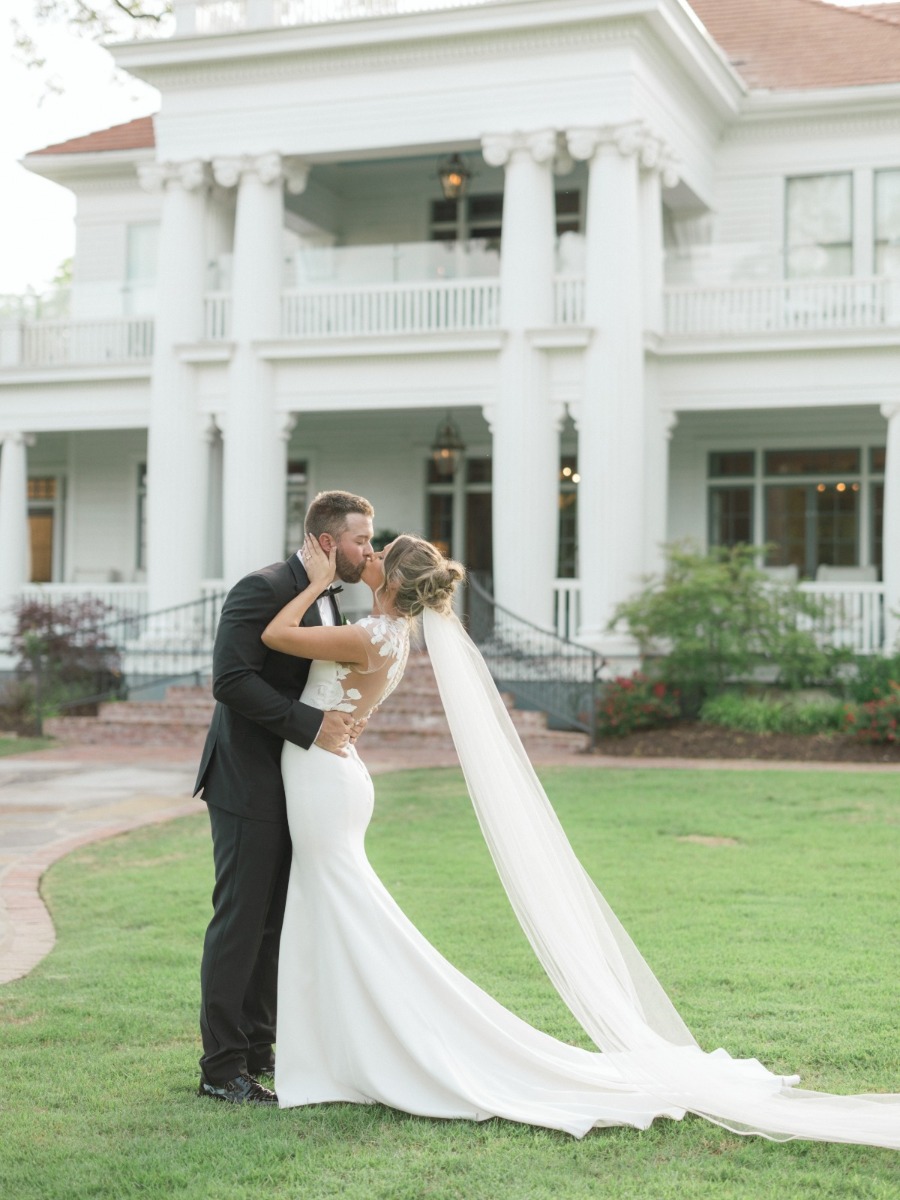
column 88, row 731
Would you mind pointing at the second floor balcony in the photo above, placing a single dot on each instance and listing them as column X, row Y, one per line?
column 453, row 288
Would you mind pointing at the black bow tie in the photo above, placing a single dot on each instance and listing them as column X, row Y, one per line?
column 332, row 591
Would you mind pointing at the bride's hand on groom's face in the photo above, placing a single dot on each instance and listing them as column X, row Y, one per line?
column 320, row 567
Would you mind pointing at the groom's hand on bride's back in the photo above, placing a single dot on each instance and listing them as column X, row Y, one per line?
column 334, row 735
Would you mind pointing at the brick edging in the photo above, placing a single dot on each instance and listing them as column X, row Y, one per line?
column 32, row 929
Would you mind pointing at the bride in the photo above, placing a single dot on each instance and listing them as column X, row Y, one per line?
column 369, row 1011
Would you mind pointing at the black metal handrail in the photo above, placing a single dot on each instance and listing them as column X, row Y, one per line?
column 540, row 669
column 136, row 652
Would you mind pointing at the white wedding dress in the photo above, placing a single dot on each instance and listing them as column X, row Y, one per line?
column 369, row 1011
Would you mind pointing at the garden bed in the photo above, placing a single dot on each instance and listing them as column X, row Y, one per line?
column 696, row 739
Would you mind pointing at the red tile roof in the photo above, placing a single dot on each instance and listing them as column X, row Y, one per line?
column 772, row 44
column 795, row 44
column 134, row 135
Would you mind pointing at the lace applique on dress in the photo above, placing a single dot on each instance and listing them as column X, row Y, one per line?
column 391, row 635
column 327, row 685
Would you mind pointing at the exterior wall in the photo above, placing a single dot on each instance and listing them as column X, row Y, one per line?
column 101, row 245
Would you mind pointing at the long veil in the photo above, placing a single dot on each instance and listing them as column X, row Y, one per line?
column 590, row 959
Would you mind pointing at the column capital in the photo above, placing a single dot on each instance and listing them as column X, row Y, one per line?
column 269, row 168
column 191, row 175
column 16, row 437
column 630, row 139
column 499, row 148
column 285, row 423
column 891, row 412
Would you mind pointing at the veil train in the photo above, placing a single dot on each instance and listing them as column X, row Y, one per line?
column 590, row 959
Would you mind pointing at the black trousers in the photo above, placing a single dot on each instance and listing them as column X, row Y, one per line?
column 239, row 971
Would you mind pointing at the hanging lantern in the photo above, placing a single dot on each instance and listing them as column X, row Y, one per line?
column 447, row 449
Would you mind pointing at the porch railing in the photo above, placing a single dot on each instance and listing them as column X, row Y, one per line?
column 124, row 600
column 449, row 306
column 853, row 614
column 225, row 16
column 62, row 343
column 568, row 300
column 782, row 306
column 217, row 316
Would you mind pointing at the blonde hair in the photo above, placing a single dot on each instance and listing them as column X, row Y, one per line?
column 423, row 577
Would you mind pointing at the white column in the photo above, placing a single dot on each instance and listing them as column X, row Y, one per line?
column 14, row 546
column 524, row 425
column 660, row 426
column 890, row 537
column 610, row 418
column 254, row 454
column 657, row 171
column 177, row 450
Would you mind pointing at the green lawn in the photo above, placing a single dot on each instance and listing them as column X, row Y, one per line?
column 22, row 745
column 780, row 942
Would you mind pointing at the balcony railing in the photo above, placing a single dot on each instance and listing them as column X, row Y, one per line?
column 783, row 306
column 448, row 306
column 226, row 16
column 217, row 316
column 568, row 300
column 61, row 343
column 853, row 613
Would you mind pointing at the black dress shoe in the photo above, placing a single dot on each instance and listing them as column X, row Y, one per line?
column 264, row 1066
column 240, row 1090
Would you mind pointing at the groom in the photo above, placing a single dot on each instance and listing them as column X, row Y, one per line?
column 258, row 709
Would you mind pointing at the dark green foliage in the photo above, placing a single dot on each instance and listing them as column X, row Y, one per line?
column 716, row 618
column 765, row 714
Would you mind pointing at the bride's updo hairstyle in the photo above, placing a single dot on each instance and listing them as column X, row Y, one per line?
column 423, row 577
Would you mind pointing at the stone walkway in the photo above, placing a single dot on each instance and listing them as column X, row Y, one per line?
column 54, row 801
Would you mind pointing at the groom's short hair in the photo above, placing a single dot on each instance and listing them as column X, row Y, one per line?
column 329, row 511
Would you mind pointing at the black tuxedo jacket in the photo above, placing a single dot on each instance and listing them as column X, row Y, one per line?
column 256, row 691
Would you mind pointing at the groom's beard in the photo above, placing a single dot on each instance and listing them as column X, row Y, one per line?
column 347, row 571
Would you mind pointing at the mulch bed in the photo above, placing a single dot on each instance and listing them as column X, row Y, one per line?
column 693, row 739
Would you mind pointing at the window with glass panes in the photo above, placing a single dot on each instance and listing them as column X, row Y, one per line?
column 887, row 223
column 731, row 500
column 481, row 217
column 819, row 226
column 567, row 558
column 811, row 505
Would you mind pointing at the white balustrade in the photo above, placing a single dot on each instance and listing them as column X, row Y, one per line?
column 216, row 316
column 123, row 599
column 853, row 618
column 64, row 343
column 854, row 614
column 225, row 16
column 784, row 306
column 444, row 307
column 567, row 607
column 568, row 300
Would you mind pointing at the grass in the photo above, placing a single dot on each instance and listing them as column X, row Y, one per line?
column 22, row 745
column 765, row 901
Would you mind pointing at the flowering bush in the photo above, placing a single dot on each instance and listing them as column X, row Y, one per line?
column 876, row 721
column 633, row 703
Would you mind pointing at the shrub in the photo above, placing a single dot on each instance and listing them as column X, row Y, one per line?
column 627, row 704
column 759, row 714
column 717, row 618
column 876, row 721
column 872, row 677
column 64, row 656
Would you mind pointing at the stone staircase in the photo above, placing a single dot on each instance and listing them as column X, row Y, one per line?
column 411, row 719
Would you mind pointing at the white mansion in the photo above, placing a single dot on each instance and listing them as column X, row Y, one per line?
column 632, row 265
